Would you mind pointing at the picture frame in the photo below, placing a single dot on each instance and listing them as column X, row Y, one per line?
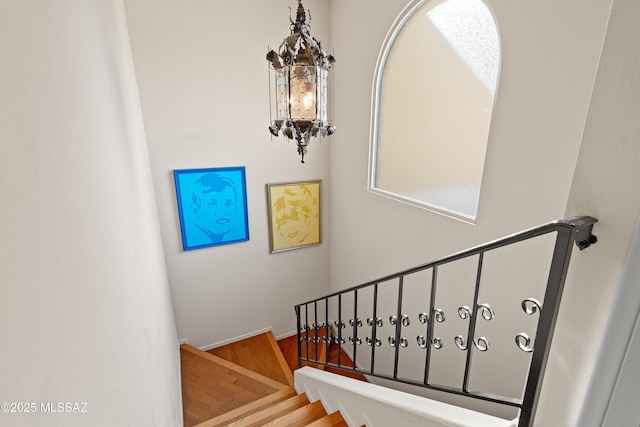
column 212, row 205
column 294, row 210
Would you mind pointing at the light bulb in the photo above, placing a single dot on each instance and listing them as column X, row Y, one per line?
column 308, row 100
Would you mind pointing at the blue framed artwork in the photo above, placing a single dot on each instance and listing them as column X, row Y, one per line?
column 212, row 204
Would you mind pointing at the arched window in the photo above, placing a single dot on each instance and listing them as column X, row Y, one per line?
column 434, row 92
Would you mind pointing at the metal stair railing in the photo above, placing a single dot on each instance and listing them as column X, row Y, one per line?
column 330, row 312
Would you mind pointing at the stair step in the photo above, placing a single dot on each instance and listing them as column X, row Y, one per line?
column 268, row 414
column 212, row 386
column 271, row 413
column 250, row 408
column 300, row 417
column 334, row 419
column 187, row 349
column 249, row 384
column 260, row 354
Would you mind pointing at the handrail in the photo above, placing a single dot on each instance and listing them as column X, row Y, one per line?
column 577, row 230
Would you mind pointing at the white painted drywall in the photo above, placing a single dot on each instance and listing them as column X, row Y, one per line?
column 615, row 384
column 550, row 55
column 623, row 409
column 85, row 311
column 435, row 92
column 603, row 302
column 204, row 89
column 543, row 96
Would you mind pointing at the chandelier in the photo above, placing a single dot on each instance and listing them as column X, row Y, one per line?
column 301, row 67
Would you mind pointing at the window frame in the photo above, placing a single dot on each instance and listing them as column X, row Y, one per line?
column 405, row 15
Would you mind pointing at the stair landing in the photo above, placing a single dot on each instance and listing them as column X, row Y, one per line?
column 260, row 354
column 246, row 384
column 212, row 386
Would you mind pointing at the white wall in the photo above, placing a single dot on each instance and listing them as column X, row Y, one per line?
column 623, row 409
column 603, row 297
column 436, row 95
column 203, row 82
column 85, row 311
column 615, row 381
column 202, row 79
column 550, row 55
column 542, row 100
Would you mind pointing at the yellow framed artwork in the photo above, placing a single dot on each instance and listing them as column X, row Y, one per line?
column 294, row 215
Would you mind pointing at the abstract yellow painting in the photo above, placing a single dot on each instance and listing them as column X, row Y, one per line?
column 294, row 215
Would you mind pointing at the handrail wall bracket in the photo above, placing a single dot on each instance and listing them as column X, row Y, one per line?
column 584, row 231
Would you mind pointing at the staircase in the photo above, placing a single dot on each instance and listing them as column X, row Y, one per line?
column 247, row 383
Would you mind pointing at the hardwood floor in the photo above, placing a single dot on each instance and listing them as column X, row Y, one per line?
column 257, row 353
column 247, row 384
column 244, row 353
column 212, row 386
column 289, row 348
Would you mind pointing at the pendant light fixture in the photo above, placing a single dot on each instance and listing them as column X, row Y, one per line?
column 301, row 67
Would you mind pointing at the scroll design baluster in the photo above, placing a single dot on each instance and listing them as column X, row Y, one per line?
column 370, row 342
column 486, row 311
column 357, row 340
column 464, row 312
column 304, row 333
column 377, row 323
column 404, row 319
column 403, row 342
column 314, row 338
column 530, row 306
column 326, row 336
column 338, row 338
column 355, row 323
column 423, row 318
column 309, row 319
column 393, row 320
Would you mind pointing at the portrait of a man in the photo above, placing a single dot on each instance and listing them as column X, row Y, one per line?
column 212, row 206
column 294, row 215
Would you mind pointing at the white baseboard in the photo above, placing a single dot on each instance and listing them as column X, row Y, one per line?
column 230, row 340
column 182, row 341
column 286, row 335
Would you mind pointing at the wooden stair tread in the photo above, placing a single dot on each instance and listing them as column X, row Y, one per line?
column 232, row 366
column 300, row 417
column 250, row 408
column 334, row 419
column 273, row 412
column 260, row 354
column 249, row 384
column 212, row 386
